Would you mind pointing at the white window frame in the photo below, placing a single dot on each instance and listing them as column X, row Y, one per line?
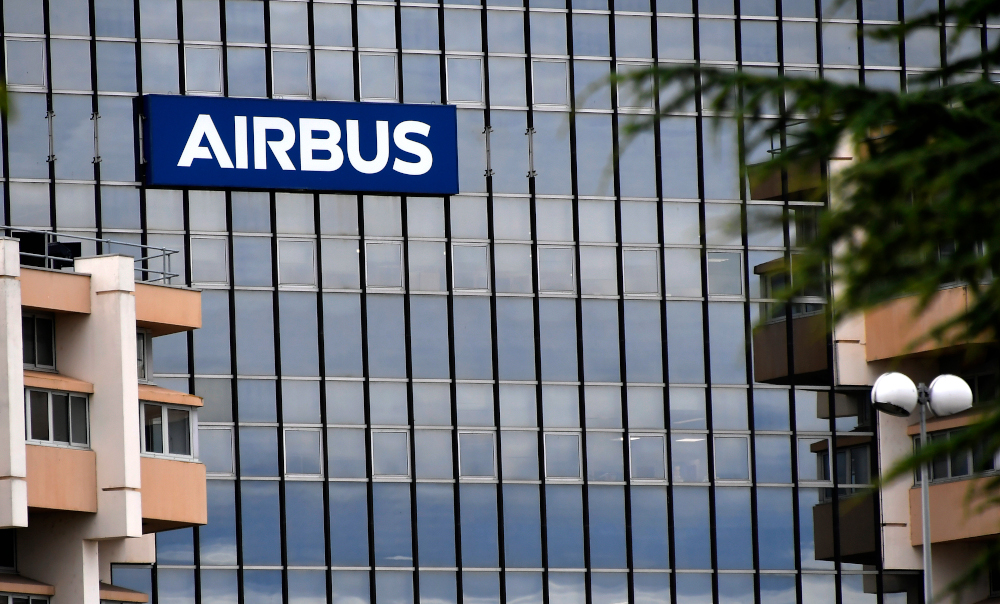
column 226, row 259
column 285, row 285
column 395, row 78
column 715, row 457
column 300, row 51
column 146, row 337
column 474, row 477
column 409, row 462
column 192, row 431
column 50, row 442
column 535, row 102
column 319, row 452
column 454, row 273
column 402, row 277
column 35, row 366
column 579, row 456
column 232, row 447
column 538, row 268
column 45, row 76
column 222, row 80
column 656, row 265
column 633, row 436
column 482, row 83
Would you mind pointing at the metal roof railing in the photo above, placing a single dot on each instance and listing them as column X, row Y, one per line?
column 55, row 250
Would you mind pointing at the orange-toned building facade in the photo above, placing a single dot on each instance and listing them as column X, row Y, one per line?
column 94, row 457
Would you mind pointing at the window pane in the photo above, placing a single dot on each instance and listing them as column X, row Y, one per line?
column 179, row 431
column 296, row 262
column 724, row 274
column 302, row 452
column 203, row 73
column 433, row 453
column 648, row 457
column 520, row 455
column 378, row 77
column 731, row 461
column 598, row 270
column 476, row 455
column 384, row 262
column 290, row 71
column 604, row 457
column 555, row 269
column 689, row 458
column 513, row 268
column 436, row 525
column 562, row 455
column 79, row 422
column 215, row 450
column 471, row 267
column 390, row 454
column 427, row 266
column 641, row 271
column 465, row 83
column 60, row 418
column 683, row 272
column 153, row 428
column 258, row 451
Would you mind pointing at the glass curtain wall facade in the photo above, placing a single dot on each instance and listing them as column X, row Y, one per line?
column 539, row 390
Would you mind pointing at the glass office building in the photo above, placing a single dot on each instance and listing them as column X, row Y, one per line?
column 550, row 388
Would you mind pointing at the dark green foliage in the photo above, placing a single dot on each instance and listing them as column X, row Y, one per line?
column 917, row 209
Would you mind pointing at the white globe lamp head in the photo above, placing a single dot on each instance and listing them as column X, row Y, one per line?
column 895, row 394
column 949, row 394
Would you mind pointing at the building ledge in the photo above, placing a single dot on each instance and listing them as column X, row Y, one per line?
column 149, row 392
column 936, row 424
column 56, row 381
column 55, row 291
column 23, row 585
column 166, row 309
column 120, row 594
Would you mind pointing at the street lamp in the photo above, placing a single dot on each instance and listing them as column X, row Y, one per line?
column 895, row 394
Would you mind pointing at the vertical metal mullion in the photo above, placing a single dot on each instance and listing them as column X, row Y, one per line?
column 710, row 445
column 494, row 348
column 580, row 359
column 141, row 170
column 3, row 129
column 535, row 303
column 664, row 328
column 50, row 110
column 95, row 113
column 357, row 72
column 456, row 469
column 619, row 261
column 367, row 393
column 410, row 419
column 321, row 329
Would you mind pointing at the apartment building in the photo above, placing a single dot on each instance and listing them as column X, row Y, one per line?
column 96, row 458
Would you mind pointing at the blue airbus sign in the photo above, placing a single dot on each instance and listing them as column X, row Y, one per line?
column 300, row 145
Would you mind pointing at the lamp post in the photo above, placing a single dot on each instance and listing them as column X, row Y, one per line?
column 895, row 394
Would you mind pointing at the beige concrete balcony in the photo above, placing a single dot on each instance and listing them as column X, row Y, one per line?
column 55, row 291
column 894, row 329
column 166, row 309
column 173, row 494
column 953, row 518
column 61, row 478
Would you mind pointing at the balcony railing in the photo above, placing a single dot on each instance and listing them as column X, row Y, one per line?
column 54, row 250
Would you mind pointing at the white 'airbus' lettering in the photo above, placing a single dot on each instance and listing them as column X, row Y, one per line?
column 381, row 148
column 308, row 144
column 241, row 142
column 204, row 127
column 279, row 147
column 409, row 146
